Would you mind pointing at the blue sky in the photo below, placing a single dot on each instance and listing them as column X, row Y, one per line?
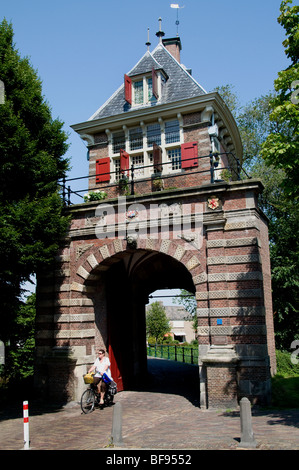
column 82, row 49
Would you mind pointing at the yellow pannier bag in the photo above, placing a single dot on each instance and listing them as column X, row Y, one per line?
column 88, row 378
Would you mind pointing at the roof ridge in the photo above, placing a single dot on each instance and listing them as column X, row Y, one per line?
column 161, row 46
column 147, row 53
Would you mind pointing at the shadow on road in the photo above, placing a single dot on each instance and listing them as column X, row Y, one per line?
column 178, row 378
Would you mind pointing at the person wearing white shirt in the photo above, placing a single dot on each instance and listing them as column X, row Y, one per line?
column 101, row 366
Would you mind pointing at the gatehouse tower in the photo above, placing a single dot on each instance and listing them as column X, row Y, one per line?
column 177, row 212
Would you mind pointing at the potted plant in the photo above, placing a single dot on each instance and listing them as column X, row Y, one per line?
column 158, row 184
column 96, row 195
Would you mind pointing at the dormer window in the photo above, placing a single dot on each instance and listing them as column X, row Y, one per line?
column 138, row 92
column 142, row 90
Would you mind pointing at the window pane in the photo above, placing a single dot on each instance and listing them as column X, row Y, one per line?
column 117, row 169
column 136, row 138
column 149, row 89
column 119, row 142
column 138, row 163
column 153, row 134
column 151, row 160
column 138, row 92
column 172, row 132
column 175, row 156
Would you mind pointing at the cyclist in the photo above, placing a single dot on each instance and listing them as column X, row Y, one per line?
column 100, row 366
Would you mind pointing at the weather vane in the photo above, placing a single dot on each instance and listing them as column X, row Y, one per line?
column 177, row 6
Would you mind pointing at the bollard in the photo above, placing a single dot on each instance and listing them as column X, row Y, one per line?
column 117, row 425
column 26, row 425
column 247, row 437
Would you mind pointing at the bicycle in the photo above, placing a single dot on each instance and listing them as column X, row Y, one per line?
column 91, row 398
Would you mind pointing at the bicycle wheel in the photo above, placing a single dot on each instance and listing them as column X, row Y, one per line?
column 88, row 401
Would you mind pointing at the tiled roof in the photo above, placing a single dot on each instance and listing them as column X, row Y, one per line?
column 145, row 64
column 179, row 85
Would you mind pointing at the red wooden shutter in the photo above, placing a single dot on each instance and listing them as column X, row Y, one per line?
column 128, row 89
column 103, row 170
column 189, row 155
column 155, row 83
column 157, row 157
column 124, row 162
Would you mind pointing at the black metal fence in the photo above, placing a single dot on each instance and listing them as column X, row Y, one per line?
column 235, row 172
column 174, row 352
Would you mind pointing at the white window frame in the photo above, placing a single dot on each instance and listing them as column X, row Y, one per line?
column 147, row 150
column 147, row 85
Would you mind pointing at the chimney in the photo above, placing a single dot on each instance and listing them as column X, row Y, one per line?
column 174, row 46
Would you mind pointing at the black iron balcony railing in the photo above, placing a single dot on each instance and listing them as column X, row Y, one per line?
column 234, row 171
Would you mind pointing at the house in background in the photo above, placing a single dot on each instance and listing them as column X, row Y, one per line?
column 181, row 323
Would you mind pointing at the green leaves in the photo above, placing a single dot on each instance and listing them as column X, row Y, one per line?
column 32, row 145
column 281, row 148
column 157, row 324
column 289, row 20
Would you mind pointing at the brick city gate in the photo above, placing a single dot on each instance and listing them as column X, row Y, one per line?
column 167, row 156
column 97, row 293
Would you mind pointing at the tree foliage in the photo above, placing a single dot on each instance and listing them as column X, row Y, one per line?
column 188, row 301
column 32, row 146
column 20, row 352
column 269, row 131
column 157, row 324
column 281, row 148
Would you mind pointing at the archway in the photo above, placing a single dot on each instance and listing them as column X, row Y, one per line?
column 120, row 288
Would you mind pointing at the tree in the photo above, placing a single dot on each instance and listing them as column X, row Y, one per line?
column 283, row 216
column 32, row 146
column 280, row 152
column 189, row 303
column 20, row 353
column 157, row 324
column 281, row 148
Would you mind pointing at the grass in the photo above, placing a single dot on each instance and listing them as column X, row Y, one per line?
column 285, row 384
column 187, row 354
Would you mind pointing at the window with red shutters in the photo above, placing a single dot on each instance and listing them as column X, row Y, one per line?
column 189, row 155
column 124, row 162
column 103, row 170
column 128, row 89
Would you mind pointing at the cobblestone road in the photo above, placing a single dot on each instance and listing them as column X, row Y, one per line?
column 165, row 416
